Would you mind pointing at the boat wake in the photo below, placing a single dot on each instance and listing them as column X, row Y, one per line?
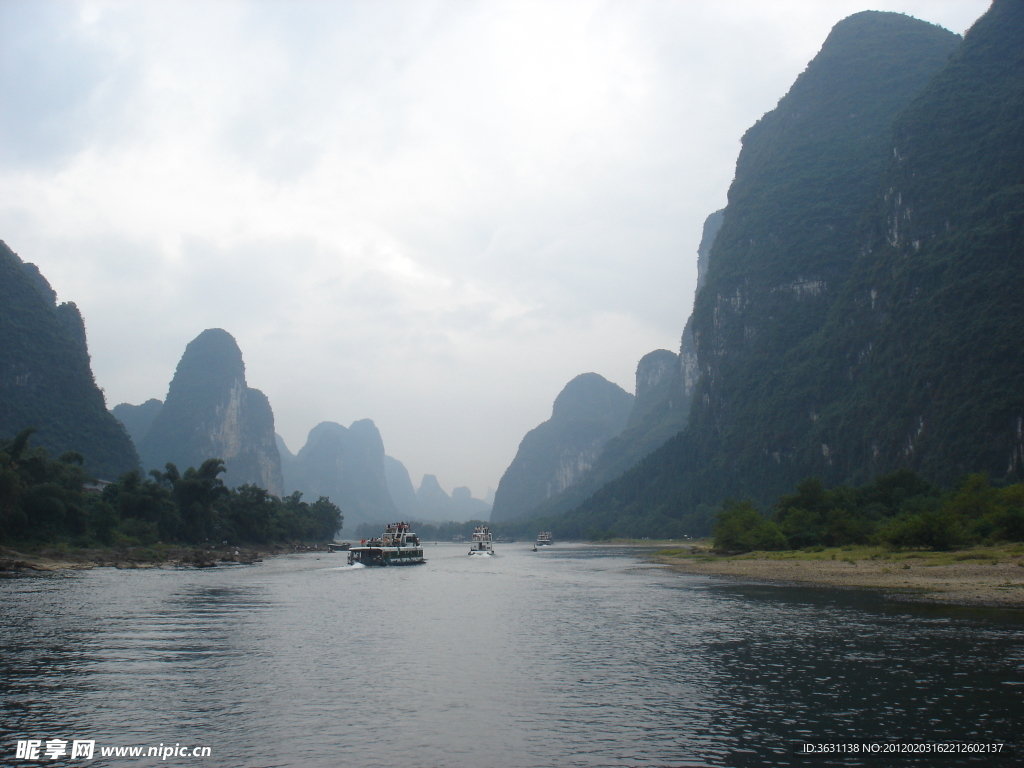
column 352, row 567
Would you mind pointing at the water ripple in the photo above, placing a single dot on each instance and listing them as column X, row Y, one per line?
column 576, row 656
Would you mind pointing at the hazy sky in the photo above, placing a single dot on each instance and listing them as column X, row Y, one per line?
column 429, row 214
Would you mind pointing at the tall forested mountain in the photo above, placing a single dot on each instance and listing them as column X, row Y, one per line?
column 210, row 412
column 587, row 413
column 860, row 313
column 347, row 466
column 45, row 378
column 926, row 364
column 137, row 419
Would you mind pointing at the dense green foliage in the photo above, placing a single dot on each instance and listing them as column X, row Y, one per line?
column 864, row 303
column 925, row 368
column 45, row 379
column 899, row 509
column 43, row 500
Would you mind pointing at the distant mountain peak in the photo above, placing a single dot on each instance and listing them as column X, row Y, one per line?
column 588, row 412
column 348, row 465
column 210, row 412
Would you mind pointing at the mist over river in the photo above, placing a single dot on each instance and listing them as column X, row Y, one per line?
column 574, row 656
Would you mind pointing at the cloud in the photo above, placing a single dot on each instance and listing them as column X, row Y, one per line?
column 430, row 214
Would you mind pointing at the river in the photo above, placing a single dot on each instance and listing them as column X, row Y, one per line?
column 576, row 655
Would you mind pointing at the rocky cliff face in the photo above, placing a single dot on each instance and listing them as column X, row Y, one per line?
column 689, row 370
column 210, row 412
column 788, row 245
column 258, row 445
column 712, row 224
column 657, row 378
column 347, row 466
column 847, row 325
column 46, row 380
column 588, row 412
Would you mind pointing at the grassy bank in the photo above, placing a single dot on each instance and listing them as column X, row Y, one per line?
column 982, row 575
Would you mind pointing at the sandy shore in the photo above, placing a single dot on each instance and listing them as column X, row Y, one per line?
column 981, row 577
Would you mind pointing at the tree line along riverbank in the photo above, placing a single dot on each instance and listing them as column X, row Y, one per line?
column 899, row 533
column 47, row 501
column 900, row 510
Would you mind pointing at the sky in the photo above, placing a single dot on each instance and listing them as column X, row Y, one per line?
column 429, row 213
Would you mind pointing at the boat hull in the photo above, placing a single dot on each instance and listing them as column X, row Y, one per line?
column 385, row 556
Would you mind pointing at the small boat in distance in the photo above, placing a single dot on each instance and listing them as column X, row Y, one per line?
column 544, row 539
column 481, row 544
column 398, row 546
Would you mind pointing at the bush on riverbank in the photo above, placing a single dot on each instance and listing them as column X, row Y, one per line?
column 52, row 500
column 899, row 510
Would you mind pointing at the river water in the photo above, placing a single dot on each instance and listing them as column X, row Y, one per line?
column 572, row 656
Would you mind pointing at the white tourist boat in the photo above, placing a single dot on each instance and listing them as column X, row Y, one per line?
column 398, row 546
column 481, row 544
column 544, row 539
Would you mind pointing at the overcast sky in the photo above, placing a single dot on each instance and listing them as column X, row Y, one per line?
column 429, row 214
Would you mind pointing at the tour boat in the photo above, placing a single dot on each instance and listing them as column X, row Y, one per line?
column 544, row 539
column 481, row 543
column 398, row 546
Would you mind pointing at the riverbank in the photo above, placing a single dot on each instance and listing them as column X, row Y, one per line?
column 979, row 576
column 58, row 558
